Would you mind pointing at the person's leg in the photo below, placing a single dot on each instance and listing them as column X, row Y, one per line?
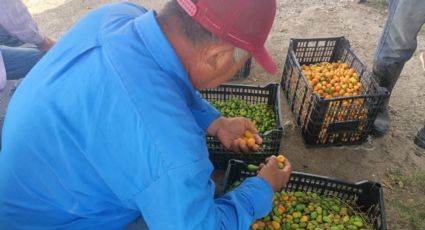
column 397, row 45
column 19, row 61
column 9, row 40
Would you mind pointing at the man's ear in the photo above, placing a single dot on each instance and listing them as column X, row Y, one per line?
column 218, row 56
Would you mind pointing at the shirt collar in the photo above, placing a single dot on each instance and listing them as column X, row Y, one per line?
column 161, row 50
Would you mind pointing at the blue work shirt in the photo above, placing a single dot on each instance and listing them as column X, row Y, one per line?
column 107, row 128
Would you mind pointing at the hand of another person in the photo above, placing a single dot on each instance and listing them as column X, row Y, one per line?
column 277, row 178
column 230, row 130
column 46, row 44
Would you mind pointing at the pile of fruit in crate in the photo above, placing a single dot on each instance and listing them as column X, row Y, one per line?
column 338, row 80
column 308, row 210
column 261, row 114
column 335, row 79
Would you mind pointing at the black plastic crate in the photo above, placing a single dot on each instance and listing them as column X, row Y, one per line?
column 367, row 195
column 270, row 95
column 334, row 121
column 244, row 72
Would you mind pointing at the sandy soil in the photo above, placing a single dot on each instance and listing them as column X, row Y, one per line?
column 362, row 25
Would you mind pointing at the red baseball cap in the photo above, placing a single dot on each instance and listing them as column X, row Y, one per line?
column 244, row 23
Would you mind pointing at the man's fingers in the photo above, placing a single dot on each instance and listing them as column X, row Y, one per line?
column 261, row 166
column 255, row 147
column 250, row 125
column 235, row 146
column 258, row 139
column 271, row 160
column 288, row 167
column 243, row 147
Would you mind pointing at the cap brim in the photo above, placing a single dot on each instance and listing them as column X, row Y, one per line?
column 263, row 57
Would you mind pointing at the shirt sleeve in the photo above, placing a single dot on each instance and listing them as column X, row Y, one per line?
column 183, row 199
column 16, row 19
column 204, row 112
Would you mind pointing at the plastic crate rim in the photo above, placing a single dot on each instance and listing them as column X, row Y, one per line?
column 232, row 162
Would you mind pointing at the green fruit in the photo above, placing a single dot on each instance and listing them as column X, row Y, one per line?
column 252, row 168
column 298, row 194
column 280, row 165
column 319, row 219
column 326, row 219
column 296, row 215
column 319, row 210
column 358, row 224
column 290, row 210
column 277, row 219
column 288, row 225
column 343, row 211
column 275, row 210
column 299, row 207
column 294, row 226
column 351, row 227
column 358, row 219
column 310, row 226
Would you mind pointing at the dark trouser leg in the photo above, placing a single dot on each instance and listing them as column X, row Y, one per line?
column 19, row 61
column 387, row 77
column 397, row 45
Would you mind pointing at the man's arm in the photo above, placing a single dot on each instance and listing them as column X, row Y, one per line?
column 16, row 19
column 204, row 113
column 183, row 199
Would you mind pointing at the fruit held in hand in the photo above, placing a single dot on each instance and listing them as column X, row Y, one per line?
column 281, row 161
column 248, row 139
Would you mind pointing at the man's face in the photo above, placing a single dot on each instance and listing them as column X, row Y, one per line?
column 216, row 66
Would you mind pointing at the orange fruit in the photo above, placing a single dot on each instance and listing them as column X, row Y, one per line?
column 248, row 133
column 250, row 142
column 280, row 158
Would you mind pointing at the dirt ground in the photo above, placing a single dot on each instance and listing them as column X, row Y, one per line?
column 392, row 160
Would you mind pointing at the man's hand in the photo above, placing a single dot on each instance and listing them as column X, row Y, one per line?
column 277, row 178
column 46, row 44
column 228, row 130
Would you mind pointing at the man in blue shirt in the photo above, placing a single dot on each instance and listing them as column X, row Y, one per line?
column 114, row 127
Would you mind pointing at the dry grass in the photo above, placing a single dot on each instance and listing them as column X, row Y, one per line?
column 381, row 5
column 405, row 202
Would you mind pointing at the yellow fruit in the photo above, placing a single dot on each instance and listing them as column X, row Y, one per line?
column 248, row 133
column 275, row 224
column 303, row 219
column 280, row 158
